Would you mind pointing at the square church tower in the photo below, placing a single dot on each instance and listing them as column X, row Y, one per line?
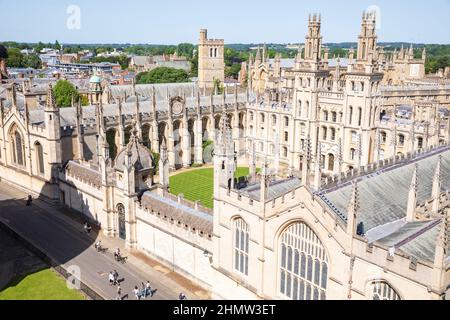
column 211, row 63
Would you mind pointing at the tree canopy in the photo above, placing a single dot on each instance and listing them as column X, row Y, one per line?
column 18, row 60
column 162, row 75
column 64, row 91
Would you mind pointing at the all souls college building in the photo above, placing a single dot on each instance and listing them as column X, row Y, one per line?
column 352, row 200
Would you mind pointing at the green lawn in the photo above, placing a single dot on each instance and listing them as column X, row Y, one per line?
column 42, row 285
column 198, row 185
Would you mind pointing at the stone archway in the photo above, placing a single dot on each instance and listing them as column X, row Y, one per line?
column 162, row 132
column 146, row 135
column 191, row 129
column 178, row 143
column 206, row 129
column 111, row 138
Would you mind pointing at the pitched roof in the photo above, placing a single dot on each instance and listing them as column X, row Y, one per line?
column 384, row 194
column 383, row 203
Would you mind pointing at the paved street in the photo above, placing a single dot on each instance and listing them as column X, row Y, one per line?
column 66, row 243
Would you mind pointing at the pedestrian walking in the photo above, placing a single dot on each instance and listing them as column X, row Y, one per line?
column 143, row 290
column 148, row 289
column 98, row 246
column 111, row 279
column 182, row 296
column 116, row 277
column 117, row 254
column 136, row 293
column 29, row 200
column 119, row 293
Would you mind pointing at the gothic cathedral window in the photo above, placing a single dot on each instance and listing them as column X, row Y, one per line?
column 17, row 148
column 39, row 158
column 241, row 246
column 381, row 290
column 304, row 264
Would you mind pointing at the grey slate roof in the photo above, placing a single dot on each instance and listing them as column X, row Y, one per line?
column 141, row 61
column 423, row 247
column 383, row 204
column 384, row 194
column 68, row 115
column 276, row 189
column 161, row 90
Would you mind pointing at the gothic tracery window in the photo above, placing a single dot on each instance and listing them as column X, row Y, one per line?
column 304, row 264
column 381, row 290
column 241, row 246
column 17, row 148
column 39, row 157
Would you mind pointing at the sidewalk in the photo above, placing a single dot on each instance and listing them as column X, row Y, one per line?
column 60, row 233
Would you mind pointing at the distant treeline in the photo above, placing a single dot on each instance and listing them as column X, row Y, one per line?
column 438, row 56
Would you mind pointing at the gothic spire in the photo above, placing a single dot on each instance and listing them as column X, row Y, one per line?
column 412, row 197
column 442, row 241
column 51, row 101
column 353, row 209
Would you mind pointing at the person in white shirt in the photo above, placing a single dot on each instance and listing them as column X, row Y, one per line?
column 111, row 279
column 136, row 293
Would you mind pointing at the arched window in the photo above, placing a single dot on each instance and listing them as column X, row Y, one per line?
column 307, row 109
column 334, row 116
column 354, row 137
column 17, row 148
column 352, row 154
column 39, row 154
column 325, row 115
column 324, row 133
column 122, row 221
column 383, row 137
column 333, row 134
column 263, row 118
column 241, row 246
column 420, row 143
column 381, row 290
column 303, row 265
column 350, row 117
column 401, row 139
column 359, row 116
column 302, row 129
column 286, row 121
column 331, row 162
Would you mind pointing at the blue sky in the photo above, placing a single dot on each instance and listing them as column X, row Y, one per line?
column 237, row 21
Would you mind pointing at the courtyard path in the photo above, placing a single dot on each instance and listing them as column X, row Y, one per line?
column 65, row 242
